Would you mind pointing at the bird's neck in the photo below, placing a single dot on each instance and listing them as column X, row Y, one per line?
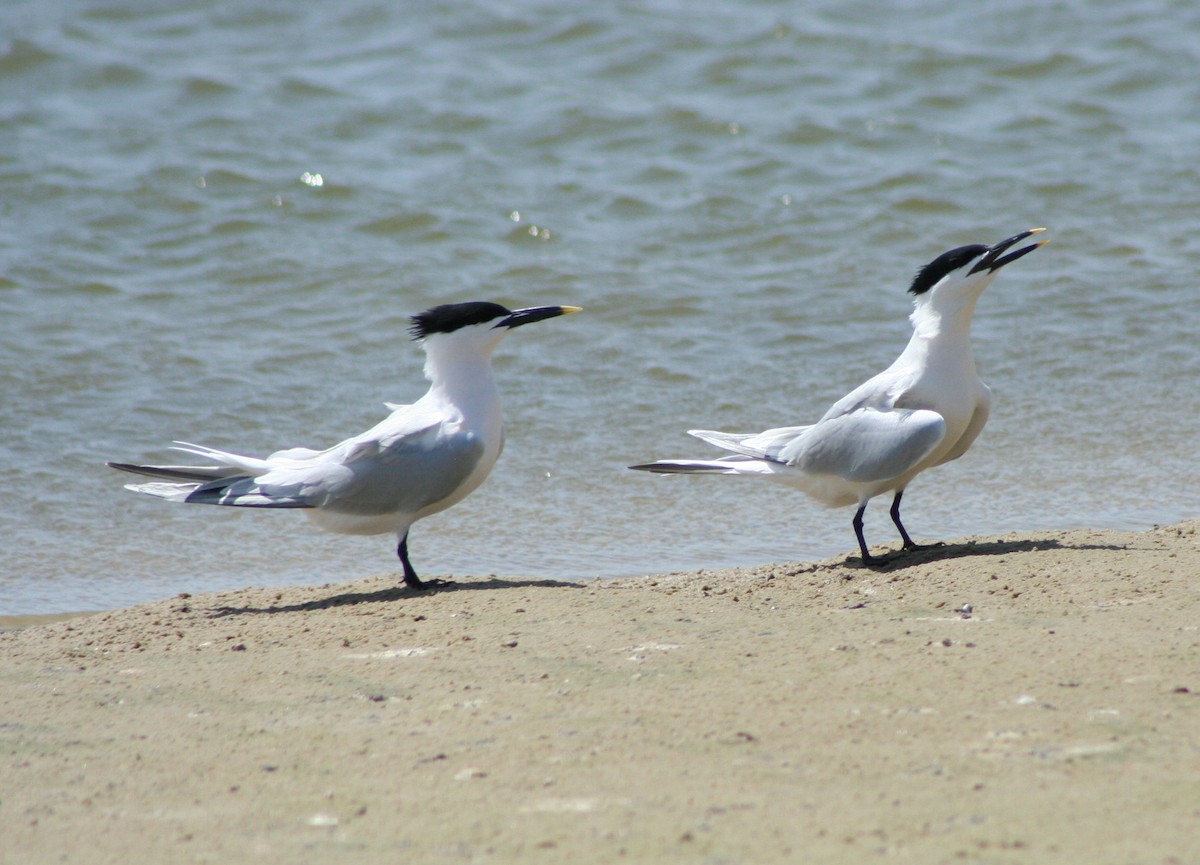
column 949, row 320
column 462, row 378
column 942, row 329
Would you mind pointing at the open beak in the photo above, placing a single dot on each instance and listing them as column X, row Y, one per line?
column 995, row 259
column 535, row 313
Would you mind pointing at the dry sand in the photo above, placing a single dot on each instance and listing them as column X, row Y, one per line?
column 1023, row 700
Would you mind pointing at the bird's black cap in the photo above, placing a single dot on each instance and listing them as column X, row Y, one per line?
column 932, row 273
column 449, row 317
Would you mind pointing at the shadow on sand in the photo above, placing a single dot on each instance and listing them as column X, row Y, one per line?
column 394, row 593
column 901, row 559
column 895, row 561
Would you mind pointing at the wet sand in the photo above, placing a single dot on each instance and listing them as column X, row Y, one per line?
column 1034, row 698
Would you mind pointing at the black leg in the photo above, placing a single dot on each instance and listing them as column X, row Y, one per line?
column 867, row 558
column 909, row 543
column 410, row 576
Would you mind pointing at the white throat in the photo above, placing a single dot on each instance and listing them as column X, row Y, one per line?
column 945, row 320
column 462, row 367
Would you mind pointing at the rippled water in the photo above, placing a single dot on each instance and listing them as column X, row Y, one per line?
column 217, row 216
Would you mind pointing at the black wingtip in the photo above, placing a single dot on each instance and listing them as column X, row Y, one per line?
column 645, row 467
column 664, row 468
column 171, row 473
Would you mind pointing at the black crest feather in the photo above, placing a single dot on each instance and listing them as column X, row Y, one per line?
column 449, row 317
column 929, row 275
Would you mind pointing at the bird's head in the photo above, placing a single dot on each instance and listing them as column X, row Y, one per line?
column 476, row 326
column 961, row 274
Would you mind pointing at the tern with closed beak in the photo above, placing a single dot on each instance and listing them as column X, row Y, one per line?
column 421, row 459
column 925, row 409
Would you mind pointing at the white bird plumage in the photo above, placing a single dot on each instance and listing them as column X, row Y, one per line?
column 926, row 409
column 420, row 459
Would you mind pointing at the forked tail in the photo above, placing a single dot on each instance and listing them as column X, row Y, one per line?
column 207, row 485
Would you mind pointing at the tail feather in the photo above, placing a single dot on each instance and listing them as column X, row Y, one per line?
column 720, row 439
column 731, row 465
column 241, row 492
column 728, row 441
column 236, row 491
column 243, row 464
column 676, row 468
column 748, row 456
column 231, row 482
column 169, row 492
column 179, row 473
column 208, row 485
column 764, row 445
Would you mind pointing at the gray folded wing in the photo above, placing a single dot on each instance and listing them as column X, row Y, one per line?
column 406, row 474
column 867, row 445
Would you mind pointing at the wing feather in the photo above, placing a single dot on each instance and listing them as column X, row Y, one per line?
column 867, row 446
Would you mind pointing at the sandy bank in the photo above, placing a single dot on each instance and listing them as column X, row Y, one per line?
column 1029, row 699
